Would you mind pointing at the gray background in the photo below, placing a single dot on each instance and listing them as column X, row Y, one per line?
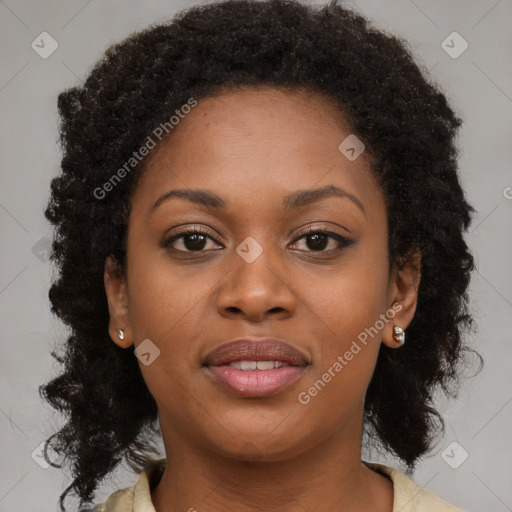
column 478, row 84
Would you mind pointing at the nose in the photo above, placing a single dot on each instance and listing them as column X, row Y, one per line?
column 254, row 290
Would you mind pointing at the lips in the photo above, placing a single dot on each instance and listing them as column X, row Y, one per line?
column 255, row 367
column 256, row 349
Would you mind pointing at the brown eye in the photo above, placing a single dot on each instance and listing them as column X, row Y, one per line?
column 318, row 240
column 190, row 240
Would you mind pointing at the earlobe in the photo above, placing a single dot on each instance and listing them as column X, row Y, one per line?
column 404, row 288
column 117, row 298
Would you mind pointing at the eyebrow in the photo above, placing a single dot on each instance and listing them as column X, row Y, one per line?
column 296, row 200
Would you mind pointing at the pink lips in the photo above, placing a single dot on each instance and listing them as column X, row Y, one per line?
column 256, row 383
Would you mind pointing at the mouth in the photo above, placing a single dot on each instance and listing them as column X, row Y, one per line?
column 255, row 367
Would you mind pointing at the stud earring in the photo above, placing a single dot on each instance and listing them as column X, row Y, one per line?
column 120, row 333
column 399, row 334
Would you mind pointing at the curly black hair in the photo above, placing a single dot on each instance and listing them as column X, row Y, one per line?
column 391, row 104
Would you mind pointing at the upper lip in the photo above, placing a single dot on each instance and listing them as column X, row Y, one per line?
column 255, row 349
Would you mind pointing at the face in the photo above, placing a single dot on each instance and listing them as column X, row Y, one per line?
column 251, row 268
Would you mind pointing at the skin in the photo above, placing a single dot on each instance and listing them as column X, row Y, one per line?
column 252, row 147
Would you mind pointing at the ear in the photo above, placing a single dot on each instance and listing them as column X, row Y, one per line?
column 403, row 296
column 117, row 297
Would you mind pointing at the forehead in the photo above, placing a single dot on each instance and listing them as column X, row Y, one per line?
column 257, row 142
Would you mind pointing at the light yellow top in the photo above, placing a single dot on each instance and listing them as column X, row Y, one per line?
column 408, row 497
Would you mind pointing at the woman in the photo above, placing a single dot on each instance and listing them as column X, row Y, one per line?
column 260, row 202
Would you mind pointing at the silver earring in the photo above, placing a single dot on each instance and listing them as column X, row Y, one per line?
column 399, row 334
column 120, row 332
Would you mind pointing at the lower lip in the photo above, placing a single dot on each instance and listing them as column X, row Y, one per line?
column 255, row 383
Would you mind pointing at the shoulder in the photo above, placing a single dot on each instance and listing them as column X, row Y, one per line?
column 408, row 497
column 138, row 498
column 119, row 501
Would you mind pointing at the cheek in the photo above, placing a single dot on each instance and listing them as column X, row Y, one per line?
column 164, row 299
column 349, row 305
column 349, row 298
column 167, row 306
column 345, row 358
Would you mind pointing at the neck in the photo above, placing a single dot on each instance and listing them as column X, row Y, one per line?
column 327, row 477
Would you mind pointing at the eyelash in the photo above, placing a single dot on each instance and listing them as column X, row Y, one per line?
column 312, row 230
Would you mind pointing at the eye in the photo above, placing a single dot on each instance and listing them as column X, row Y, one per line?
column 317, row 240
column 190, row 240
column 195, row 240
